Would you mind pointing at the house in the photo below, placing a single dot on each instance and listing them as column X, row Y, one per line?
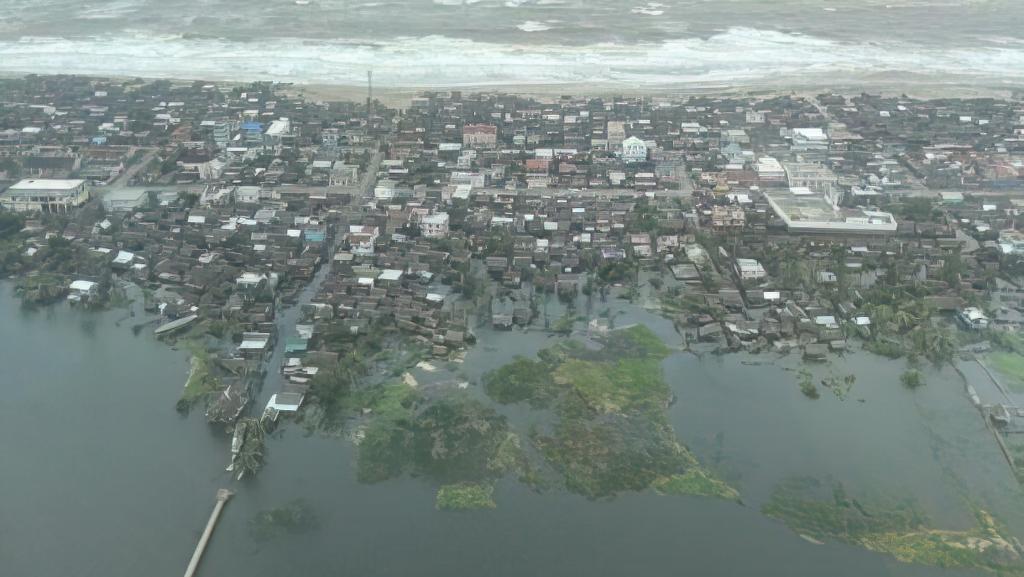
column 81, row 290
column 973, row 318
column 124, row 200
column 284, row 403
column 502, row 311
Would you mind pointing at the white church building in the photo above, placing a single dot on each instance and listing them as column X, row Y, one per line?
column 634, row 150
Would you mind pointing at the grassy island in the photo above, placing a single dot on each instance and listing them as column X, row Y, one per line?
column 465, row 497
column 824, row 511
column 611, row 432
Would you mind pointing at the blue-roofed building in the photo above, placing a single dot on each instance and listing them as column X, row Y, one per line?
column 252, row 131
column 314, row 234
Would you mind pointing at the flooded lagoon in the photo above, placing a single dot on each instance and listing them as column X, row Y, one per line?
column 114, row 482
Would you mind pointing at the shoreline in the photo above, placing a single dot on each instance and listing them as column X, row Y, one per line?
column 922, row 88
column 396, row 96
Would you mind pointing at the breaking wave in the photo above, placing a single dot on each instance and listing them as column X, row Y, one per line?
column 736, row 55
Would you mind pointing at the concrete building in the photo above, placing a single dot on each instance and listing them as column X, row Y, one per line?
column 480, row 135
column 634, row 150
column 728, row 217
column 816, row 177
column 124, row 200
column 804, row 211
column 616, row 135
column 434, row 225
column 809, row 140
column 770, row 172
column 750, row 269
column 45, row 195
column 277, row 132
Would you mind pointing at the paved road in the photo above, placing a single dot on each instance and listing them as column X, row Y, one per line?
column 125, row 177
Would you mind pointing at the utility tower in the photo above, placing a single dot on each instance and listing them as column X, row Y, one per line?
column 369, row 98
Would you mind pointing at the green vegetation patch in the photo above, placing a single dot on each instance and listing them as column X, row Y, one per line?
column 465, row 497
column 521, row 380
column 807, row 386
column 1010, row 365
column 696, row 481
column 452, row 439
column 825, row 511
column 627, row 384
column 294, row 518
column 611, row 433
column 201, row 382
column 912, row 379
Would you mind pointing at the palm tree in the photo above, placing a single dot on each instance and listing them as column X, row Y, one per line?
column 904, row 319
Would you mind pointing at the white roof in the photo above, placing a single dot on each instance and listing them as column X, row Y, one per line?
column 810, row 133
column 82, row 285
column 124, row 257
column 253, row 344
column 437, row 218
column 287, row 402
column 47, row 184
column 390, row 274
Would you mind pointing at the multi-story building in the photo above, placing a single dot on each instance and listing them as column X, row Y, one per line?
column 45, row 195
column 480, row 135
column 434, row 225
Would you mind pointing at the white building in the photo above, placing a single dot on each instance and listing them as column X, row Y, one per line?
column 82, row 290
column 124, row 200
column 750, row 269
column 45, row 195
column 362, row 239
column 815, row 177
column 634, row 150
column 770, row 171
column 434, row 225
column 809, row 140
column 973, row 318
column 277, row 131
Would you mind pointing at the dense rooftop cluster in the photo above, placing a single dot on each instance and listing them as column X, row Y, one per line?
column 772, row 221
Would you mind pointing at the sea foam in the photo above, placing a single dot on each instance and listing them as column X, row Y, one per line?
column 735, row 55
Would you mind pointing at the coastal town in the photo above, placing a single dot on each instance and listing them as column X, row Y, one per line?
column 299, row 249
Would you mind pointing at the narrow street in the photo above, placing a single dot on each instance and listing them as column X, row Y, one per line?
column 288, row 316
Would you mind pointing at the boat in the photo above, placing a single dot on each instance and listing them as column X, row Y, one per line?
column 973, row 394
column 175, row 325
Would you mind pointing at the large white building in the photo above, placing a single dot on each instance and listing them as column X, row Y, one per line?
column 634, row 150
column 45, row 195
column 816, row 177
column 805, row 211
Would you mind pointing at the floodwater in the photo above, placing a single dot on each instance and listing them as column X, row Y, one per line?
column 417, row 43
column 101, row 477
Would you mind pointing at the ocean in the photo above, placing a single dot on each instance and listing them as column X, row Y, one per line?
column 451, row 43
